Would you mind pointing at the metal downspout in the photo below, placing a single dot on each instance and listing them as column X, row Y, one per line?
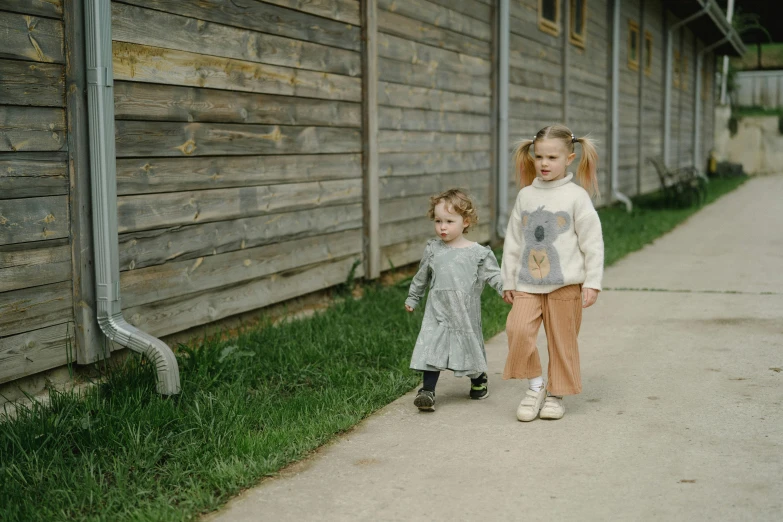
column 503, row 152
column 100, row 110
column 615, row 151
column 725, row 72
column 667, row 97
column 697, row 109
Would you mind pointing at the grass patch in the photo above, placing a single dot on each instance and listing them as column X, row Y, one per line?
column 248, row 407
column 751, row 111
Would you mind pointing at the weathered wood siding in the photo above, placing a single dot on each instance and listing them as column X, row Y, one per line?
column 683, row 139
column 708, row 100
column 238, row 132
column 630, row 84
column 589, row 88
column 535, row 79
column 434, row 114
column 35, row 256
column 652, row 95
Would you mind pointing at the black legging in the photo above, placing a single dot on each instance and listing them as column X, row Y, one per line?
column 431, row 379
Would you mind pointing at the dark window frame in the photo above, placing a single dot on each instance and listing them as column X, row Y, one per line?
column 545, row 24
column 578, row 38
column 633, row 42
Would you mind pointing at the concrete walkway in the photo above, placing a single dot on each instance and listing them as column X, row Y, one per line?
column 680, row 418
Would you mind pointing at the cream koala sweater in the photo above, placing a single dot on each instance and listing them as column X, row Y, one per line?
column 553, row 239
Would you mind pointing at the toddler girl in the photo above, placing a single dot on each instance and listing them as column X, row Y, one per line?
column 553, row 259
column 456, row 270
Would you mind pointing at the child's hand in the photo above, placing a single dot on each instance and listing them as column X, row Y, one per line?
column 589, row 296
column 408, row 308
column 508, row 296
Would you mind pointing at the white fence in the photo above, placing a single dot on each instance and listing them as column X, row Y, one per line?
column 759, row 89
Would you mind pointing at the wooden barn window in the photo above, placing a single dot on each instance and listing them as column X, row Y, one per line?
column 633, row 45
column 549, row 16
column 578, row 23
column 648, row 53
column 676, row 70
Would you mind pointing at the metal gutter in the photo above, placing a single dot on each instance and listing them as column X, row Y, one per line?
column 615, row 144
column 100, row 111
column 725, row 72
column 502, row 150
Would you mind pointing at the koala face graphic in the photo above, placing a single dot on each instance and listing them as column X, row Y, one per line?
column 542, row 227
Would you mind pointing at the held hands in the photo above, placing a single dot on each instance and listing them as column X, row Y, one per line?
column 408, row 308
column 589, row 297
column 508, row 296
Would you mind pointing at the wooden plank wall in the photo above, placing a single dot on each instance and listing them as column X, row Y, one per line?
column 589, row 89
column 36, row 310
column 684, row 113
column 238, row 132
column 708, row 108
column 628, row 154
column 434, row 114
column 652, row 99
column 535, row 79
column 239, row 145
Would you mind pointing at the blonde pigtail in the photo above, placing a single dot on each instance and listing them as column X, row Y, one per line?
column 587, row 171
column 524, row 164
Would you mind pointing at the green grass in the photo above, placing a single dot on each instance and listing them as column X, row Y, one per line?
column 248, row 407
column 751, row 111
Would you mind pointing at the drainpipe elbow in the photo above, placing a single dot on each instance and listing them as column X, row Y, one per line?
column 624, row 199
column 117, row 329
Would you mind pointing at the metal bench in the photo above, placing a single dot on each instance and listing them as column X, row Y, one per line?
column 681, row 187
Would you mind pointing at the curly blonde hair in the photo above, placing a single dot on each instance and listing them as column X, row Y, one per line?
column 458, row 202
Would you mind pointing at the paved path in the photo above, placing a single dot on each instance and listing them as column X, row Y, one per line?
column 680, row 418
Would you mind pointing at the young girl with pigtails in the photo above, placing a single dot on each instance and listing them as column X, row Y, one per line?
column 553, row 259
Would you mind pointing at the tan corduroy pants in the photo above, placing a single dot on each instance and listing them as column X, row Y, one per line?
column 561, row 312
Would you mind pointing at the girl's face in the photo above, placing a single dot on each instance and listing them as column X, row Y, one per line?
column 448, row 225
column 551, row 158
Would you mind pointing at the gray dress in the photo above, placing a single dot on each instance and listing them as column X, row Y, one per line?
column 450, row 337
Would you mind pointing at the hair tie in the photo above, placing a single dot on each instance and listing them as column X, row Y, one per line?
column 573, row 139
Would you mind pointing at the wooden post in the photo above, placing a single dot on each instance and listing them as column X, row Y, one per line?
column 88, row 340
column 371, row 189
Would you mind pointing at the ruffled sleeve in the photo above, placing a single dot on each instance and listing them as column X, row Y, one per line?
column 421, row 279
column 489, row 271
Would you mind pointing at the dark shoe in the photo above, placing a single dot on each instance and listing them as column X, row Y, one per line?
column 425, row 400
column 478, row 387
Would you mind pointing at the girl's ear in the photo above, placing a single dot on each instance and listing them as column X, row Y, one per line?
column 571, row 158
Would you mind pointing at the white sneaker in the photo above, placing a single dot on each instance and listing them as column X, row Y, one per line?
column 530, row 405
column 553, row 408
